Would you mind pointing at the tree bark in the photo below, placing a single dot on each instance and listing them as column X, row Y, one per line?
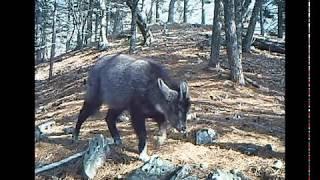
column 171, row 11
column 89, row 24
column 157, row 11
column 238, row 21
column 216, row 35
column 104, row 43
column 203, row 18
column 261, row 21
column 116, row 22
column 232, row 47
column 150, row 14
column 248, row 38
column 97, row 35
column 280, row 18
column 146, row 32
column 185, row 9
column 108, row 17
column 133, row 26
column 53, row 45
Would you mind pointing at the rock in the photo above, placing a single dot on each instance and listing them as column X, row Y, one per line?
column 218, row 174
column 269, row 147
column 206, row 136
column 277, row 164
column 155, row 168
column 228, row 83
column 183, row 173
column 248, row 150
column 68, row 130
column 95, row 155
column 123, row 118
column 46, row 127
column 191, row 116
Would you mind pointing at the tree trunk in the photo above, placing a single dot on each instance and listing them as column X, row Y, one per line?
column 108, row 17
column 238, row 21
column 116, row 22
column 89, row 24
column 280, row 19
column 203, row 17
column 171, row 11
column 142, row 4
column 232, row 47
column 248, row 38
column 261, row 21
column 185, row 9
column 149, row 17
column 157, row 11
column 245, row 10
column 146, row 32
column 53, row 45
column 69, row 22
column 104, row 43
column 216, row 35
column 133, row 26
column 97, row 35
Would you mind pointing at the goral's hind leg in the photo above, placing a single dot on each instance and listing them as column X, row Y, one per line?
column 111, row 120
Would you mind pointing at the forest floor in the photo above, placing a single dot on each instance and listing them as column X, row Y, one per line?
column 215, row 100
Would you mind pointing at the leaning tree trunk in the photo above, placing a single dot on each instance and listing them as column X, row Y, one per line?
column 142, row 4
column 133, row 26
column 216, row 35
column 245, row 10
column 185, row 9
column 104, row 43
column 157, row 11
column 146, row 32
column 171, row 11
column 53, row 45
column 203, row 17
column 238, row 21
column 280, row 19
column 248, row 38
column 232, row 47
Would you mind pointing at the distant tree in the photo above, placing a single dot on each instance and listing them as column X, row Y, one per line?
column 150, row 13
column 232, row 47
column 53, row 42
column 238, row 22
column 133, row 26
column 261, row 20
column 280, row 4
column 203, row 15
column 249, row 35
column 103, row 41
column 216, row 35
column 157, row 10
column 171, row 11
column 185, row 10
column 89, row 24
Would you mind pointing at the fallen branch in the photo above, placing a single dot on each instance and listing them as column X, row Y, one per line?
column 59, row 163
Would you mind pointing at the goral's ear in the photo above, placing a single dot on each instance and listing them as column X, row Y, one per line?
column 168, row 93
column 184, row 90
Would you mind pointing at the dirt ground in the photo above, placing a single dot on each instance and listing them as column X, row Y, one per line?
column 215, row 101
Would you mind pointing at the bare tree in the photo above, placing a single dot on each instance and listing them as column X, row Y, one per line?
column 89, row 24
column 203, row 16
column 171, row 11
column 249, row 35
column 53, row 45
column 157, row 11
column 261, row 20
column 232, row 47
column 238, row 21
column 280, row 18
column 150, row 13
column 133, row 26
column 216, row 35
column 185, row 10
column 104, row 43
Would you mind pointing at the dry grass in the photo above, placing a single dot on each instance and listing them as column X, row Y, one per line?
column 215, row 100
